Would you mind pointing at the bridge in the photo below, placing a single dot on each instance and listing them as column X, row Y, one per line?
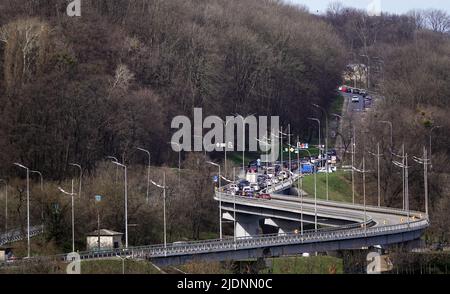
column 18, row 234
column 339, row 226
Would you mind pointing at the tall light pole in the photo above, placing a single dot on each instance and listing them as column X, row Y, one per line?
column 353, row 169
column 378, row 155
column 41, row 178
column 234, row 208
column 405, row 167
column 72, row 194
column 315, row 192
column 264, row 142
column 226, row 144
column 163, row 187
column 148, row 171
column 403, row 172
column 326, row 143
column 179, row 162
column 320, row 142
column 117, row 168
column 6, row 204
column 220, row 198
column 431, row 133
column 300, row 187
column 426, row 162
column 243, row 139
column 126, row 199
column 28, row 206
column 289, row 143
column 391, row 128
column 81, row 176
column 363, row 171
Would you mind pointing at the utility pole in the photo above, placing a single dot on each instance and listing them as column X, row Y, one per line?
column 126, row 199
column 71, row 194
column 378, row 155
column 326, row 144
column 28, row 207
column 81, row 176
column 364, row 171
column 405, row 167
column 220, row 198
column 426, row 162
column 6, row 204
column 163, row 187
column 148, row 171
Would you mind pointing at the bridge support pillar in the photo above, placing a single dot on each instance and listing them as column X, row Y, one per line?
column 282, row 225
column 247, row 225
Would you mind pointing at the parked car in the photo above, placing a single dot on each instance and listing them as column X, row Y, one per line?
column 355, row 99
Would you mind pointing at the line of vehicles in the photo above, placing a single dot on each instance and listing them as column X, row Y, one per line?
column 256, row 183
column 355, row 98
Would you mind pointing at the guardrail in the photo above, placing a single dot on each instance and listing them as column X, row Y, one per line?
column 241, row 243
column 18, row 235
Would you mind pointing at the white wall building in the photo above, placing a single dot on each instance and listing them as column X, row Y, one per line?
column 108, row 239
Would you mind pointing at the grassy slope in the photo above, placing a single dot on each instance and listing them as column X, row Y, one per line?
column 306, row 265
column 340, row 188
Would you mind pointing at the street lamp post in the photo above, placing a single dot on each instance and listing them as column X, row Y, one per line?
column 234, row 208
column 403, row 173
column 71, row 194
column 163, row 187
column 41, row 178
column 426, row 162
column 378, row 155
column 405, row 167
column 320, row 142
column 179, row 162
column 220, row 198
column 315, row 192
column 363, row 171
column 81, row 176
column 243, row 140
column 148, row 171
column 126, row 199
column 28, row 206
column 6, row 204
column 117, row 167
column 300, row 187
column 326, row 143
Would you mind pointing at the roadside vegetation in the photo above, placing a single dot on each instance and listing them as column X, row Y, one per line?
column 339, row 187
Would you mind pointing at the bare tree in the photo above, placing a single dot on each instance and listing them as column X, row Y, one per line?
column 438, row 20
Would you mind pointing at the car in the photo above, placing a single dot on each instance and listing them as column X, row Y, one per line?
column 355, row 99
column 234, row 187
column 284, row 175
column 246, row 190
column 264, row 196
column 179, row 244
column 323, row 170
column 243, row 183
column 254, row 186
